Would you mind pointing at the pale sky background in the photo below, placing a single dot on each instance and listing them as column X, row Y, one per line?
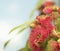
column 12, row 13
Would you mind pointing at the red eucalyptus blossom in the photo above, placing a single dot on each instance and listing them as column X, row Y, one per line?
column 48, row 10
column 40, row 33
column 59, row 10
column 54, row 46
column 48, row 3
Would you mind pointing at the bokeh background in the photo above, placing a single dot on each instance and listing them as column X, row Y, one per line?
column 12, row 13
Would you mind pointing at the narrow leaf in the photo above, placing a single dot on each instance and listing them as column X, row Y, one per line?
column 25, row 26
column 26, row 48
column 48, row 47
column 58, row 24
column 14, row 29
column 32, row 12
column 21, row 49
column 21, row 26
column 38, row 4
column 6, row 43
column 26, row 45
column 21, row 29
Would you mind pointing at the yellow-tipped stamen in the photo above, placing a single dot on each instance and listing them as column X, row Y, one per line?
column 55, row 8
column 32, row 25
column 58, row 40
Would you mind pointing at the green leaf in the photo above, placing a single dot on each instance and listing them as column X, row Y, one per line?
column 44, row 43
column 14, row 28
column 17, row 27
column 21, row 27
column 48, row 47
column 26, row 45
column 21, row 49
column 25, row 26
column 32, row 12
column 26, row 48
column 38, row 4
column 6, row 43
column 58, row 24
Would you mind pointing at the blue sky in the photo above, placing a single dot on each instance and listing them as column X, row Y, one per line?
column 12, row 13
column 13, row 10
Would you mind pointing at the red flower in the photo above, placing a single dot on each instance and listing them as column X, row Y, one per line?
column 46, row 23
column 44, row 32
column 46, row 28
column 55, row 46
column 59, row 10
column 59, row 44
column 32, row 38
column 48, row 3
column 44, row 35
column 48, row 10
